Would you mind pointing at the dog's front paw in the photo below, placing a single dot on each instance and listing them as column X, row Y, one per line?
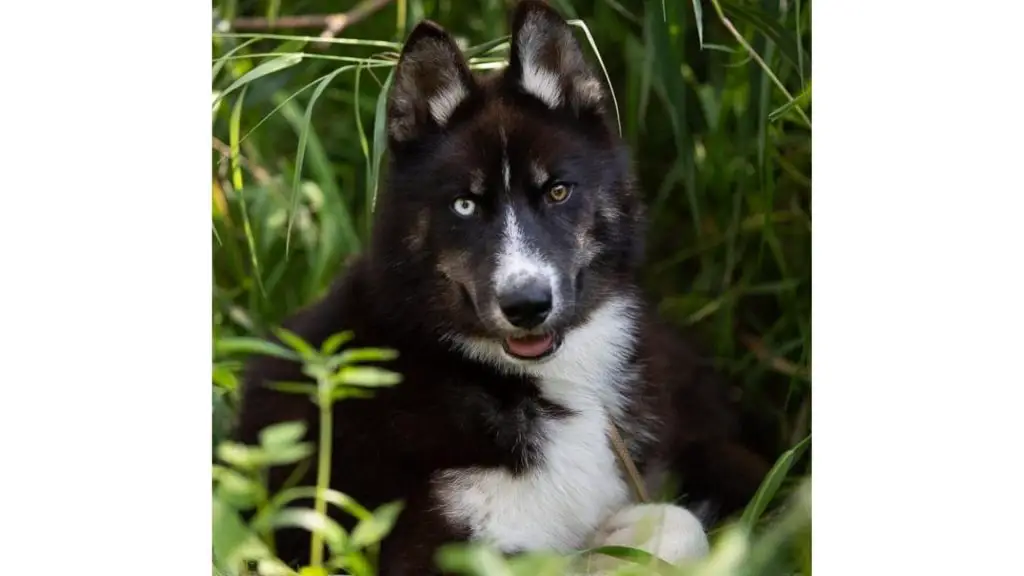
column 672, row 533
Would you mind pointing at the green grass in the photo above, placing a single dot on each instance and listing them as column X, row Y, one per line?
column 714, row 99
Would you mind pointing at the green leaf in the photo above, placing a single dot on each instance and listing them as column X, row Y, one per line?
column 344, row 393
column 234, row 543
column 240, row 456
column 366, row 376
column 222, row 417
column 332, row 344
column 279, row 500
column 472, row 560
column 238, row 490
column 636, row 556
column 729, row 555
column 282, row 434
column 355, row 563
column 372, row 530
column 363, row 355
column 540, row 564
column 268, row 67
column 770, row 485
column 313, row 522
column 224, row 378
column 253, row 458
column 249, row 345
column 296, row 343
column 294, row 387
column 288, row 454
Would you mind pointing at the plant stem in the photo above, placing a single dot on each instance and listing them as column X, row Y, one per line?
column 323, row 467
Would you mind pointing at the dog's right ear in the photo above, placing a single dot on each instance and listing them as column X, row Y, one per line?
column 547, row 62
column 432, row 79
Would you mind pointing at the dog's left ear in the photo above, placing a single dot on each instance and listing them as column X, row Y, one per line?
column 547, row 62
column 431, row 81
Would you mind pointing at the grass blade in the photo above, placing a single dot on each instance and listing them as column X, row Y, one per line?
column 757, row 57
column 219, row 63
column 799, row 42
column 650, row 562
column 236, row 181
column 337, row 233
column 280, row 105
column 268, row 67
column 770, row 486
column 308, row 55
column 801, row 100
column 346, row 41
column 698, row 14
column 364, row 145
column 608, row 80
column 784, row 40
column 380, row 137
column 301, row 151
column 487, row 47
column 668, row 56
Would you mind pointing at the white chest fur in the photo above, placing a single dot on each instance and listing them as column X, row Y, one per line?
column 556, row 505
column 559, row 503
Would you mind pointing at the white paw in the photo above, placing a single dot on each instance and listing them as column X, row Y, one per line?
column 672, row 533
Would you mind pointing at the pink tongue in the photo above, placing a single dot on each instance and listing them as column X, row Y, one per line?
column 529, row 347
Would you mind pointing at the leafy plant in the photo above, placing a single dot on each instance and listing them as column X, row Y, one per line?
column 239, row 480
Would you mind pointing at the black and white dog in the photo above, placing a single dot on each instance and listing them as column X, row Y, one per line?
column 502, row 269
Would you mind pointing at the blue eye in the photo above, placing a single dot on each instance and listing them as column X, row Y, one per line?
column 464, row 207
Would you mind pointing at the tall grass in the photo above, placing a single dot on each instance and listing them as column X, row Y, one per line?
column 713, row 97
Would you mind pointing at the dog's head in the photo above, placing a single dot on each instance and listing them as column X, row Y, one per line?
column 511, row 211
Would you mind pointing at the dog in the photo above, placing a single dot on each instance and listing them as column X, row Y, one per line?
column 502, row 268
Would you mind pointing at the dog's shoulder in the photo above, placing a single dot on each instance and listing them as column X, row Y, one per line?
column 701, row 428
column 682, row 377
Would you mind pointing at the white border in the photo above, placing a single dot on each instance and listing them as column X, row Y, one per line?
column 105, row 415
column 917, row 288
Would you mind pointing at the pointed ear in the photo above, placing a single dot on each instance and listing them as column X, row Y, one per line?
column 431, row 80
column 546, row 61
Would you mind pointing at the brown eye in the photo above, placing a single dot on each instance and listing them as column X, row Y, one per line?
column 558, row 193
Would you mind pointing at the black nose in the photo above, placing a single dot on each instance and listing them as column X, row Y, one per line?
column 527, row 305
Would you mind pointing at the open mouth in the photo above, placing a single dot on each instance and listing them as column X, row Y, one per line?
column 532, row 347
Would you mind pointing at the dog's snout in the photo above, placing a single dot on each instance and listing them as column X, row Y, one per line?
column 528, row 304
